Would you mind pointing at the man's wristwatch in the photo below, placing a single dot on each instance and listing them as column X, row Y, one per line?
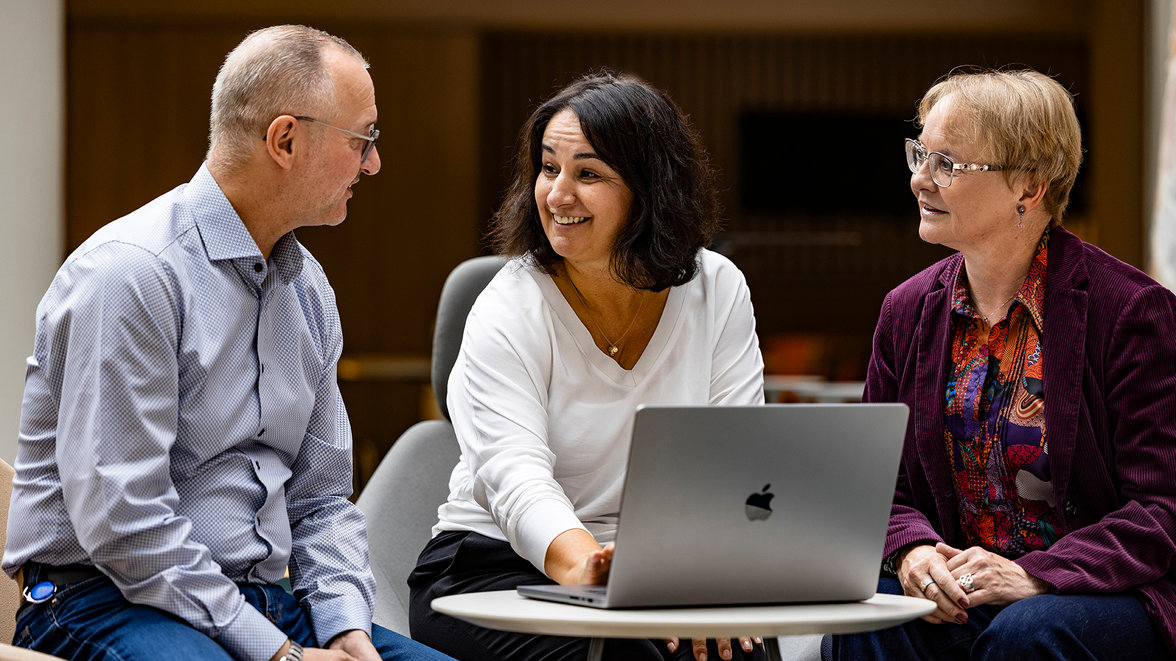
column 292, row 654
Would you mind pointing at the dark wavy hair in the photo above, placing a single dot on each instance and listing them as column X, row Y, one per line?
column 639, row 132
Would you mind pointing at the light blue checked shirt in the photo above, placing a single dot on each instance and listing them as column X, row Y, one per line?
column 182, row 427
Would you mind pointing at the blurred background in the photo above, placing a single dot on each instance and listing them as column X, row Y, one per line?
column 802, row 104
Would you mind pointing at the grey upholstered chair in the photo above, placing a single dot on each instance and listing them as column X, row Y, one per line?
column 412, row 480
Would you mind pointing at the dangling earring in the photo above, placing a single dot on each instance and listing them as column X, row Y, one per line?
column 1021, row 216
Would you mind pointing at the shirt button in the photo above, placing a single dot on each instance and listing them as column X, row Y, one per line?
column 1071, row 508
column 258, row 267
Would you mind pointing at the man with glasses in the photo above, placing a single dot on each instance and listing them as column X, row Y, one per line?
column 183, row 441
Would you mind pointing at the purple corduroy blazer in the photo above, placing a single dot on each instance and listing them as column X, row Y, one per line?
column 1109, row 347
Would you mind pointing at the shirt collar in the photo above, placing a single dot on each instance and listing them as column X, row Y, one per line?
column 1031, row 295
column 287, row 257
column 224, row 234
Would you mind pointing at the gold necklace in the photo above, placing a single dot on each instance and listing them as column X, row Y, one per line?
column 613, row 349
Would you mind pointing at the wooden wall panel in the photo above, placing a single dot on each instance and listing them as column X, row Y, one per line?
column 137, row 115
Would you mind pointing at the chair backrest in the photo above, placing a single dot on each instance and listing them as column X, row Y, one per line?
column 400, row 502
column 402, row 496
column 9, row 592
column 462, row 286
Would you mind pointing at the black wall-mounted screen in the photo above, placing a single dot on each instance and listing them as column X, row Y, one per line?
column 814, row 166
column 819, row 165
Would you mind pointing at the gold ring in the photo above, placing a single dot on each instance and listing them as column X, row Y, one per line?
column 927, row 580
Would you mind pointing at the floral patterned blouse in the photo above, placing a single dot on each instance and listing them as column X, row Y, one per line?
column 994, row 431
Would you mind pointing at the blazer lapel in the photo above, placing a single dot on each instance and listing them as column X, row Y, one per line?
column 931, row 363
column 1063, row 347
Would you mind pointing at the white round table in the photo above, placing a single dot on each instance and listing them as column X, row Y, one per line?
column 507, row 611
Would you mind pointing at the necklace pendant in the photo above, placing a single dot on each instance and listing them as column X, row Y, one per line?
column 613, row 350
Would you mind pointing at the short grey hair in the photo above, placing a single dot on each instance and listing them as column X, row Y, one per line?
column 273, row 71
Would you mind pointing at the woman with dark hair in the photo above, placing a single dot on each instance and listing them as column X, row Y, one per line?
column 611, row 300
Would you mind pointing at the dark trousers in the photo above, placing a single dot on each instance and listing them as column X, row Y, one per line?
column 1048, row 626
column 461, row 562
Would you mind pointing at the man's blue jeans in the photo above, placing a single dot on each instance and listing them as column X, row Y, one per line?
column 1050, row 626
column 92, row 620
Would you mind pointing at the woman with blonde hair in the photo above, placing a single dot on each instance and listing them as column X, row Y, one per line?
column 1035, row 503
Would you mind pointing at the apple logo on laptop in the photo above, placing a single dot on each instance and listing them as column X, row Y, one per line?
column 759, row 505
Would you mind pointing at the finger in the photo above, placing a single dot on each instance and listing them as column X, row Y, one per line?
column 724, row 647
column 955, row 593
column 602, row 561
column 700, row 649
column 972, row 557
column 951, row 612
column 672, row 645
column 949, row 590
column 597, row 568
column 747, row 644
column 952, row 600
column 954, row 564
column 947, row 551
column 938, row 617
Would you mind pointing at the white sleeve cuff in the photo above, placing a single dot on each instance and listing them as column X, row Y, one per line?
column 539, row 526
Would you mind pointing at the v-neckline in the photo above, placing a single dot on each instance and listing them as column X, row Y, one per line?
column 599, row 359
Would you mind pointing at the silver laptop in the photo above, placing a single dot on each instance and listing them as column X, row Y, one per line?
column 750, row 504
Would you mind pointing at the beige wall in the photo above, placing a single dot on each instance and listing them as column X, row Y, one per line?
column 31, row 122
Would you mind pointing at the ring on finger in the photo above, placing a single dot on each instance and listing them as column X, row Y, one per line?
column 927, row 580
column 965, row 582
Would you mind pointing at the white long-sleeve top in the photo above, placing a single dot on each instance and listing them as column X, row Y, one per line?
column 544, row 418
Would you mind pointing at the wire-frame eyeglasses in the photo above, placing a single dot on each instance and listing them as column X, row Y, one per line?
column 943, row 169
column 369, row 139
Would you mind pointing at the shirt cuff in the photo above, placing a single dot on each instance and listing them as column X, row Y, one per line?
column 251, row 636
column 334, row 615
column 540, row 525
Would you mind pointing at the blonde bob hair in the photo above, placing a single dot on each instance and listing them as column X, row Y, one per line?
column 1023, row 120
